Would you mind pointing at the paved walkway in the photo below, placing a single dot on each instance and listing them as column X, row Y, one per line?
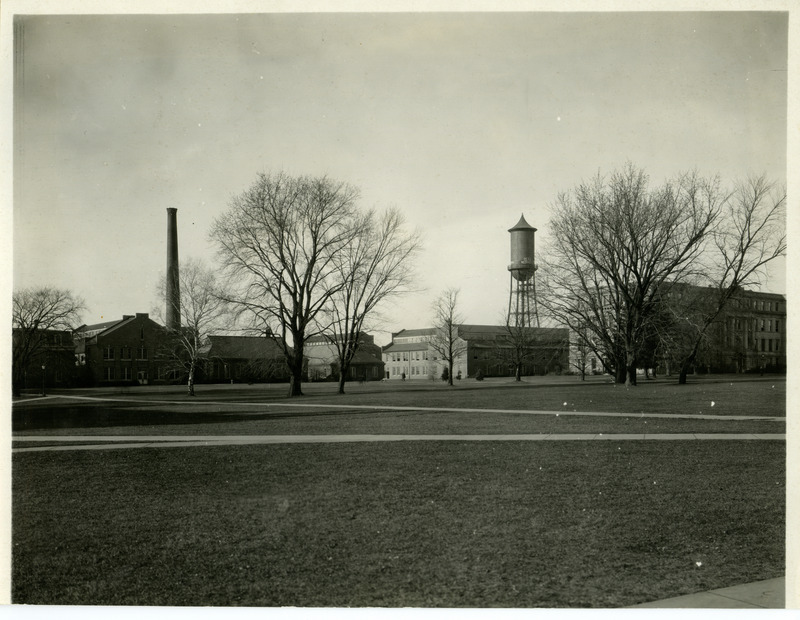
column 112, row 442
column 768, row 594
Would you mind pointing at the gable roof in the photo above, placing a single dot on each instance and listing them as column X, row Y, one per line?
column 97, row 327
column 242, row 347
column 327, row 354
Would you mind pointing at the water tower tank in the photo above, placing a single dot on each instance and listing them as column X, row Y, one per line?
column 522, row 245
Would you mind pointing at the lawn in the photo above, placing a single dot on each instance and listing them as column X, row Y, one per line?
column 265, row 410
column 421, row 524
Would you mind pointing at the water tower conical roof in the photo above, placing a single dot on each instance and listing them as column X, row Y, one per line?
column 521, row 225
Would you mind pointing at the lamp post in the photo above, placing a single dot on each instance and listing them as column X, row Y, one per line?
column 43, row 368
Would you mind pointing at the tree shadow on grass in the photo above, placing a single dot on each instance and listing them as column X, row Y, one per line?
column 109, row 415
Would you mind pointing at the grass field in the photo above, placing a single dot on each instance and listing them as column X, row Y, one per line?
column 420, row 524
column 228, row 410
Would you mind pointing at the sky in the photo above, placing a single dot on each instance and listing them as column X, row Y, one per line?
column 463, row 121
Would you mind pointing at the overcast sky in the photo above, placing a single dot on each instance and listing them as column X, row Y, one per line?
column 463, row 121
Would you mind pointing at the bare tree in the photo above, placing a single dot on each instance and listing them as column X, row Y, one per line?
column 579, row 351
column 751, row 233
column 518, row 347
column 445, row 341
column 376, row 265
column 34, row 311
column 278, row 241
column 202, row 310
column 614, row 244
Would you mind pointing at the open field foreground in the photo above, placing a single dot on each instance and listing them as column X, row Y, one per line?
column 398, row 524
column 416, row 524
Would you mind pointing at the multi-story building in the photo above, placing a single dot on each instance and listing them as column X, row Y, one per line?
column 43, row 358
column 323, row 359
column 750, row 334
column 120, row 352
column 485, row 348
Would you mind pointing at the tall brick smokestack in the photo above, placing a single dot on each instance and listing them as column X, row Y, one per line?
column 173, row 280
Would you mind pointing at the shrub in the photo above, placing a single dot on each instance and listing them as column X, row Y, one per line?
column 445, row 373
column 479, row 375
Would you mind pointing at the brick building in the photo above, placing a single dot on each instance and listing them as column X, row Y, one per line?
column 52, row 362
column 122, row 352
column 751, row 334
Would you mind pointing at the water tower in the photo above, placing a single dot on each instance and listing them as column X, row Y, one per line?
column 522, row 310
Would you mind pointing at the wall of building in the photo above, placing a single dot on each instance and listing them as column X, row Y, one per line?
column 126, row 354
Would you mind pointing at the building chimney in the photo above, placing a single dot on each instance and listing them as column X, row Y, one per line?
column 173, row 280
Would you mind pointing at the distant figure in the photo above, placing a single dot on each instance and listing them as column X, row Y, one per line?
column 458, row 376
column 403, row 376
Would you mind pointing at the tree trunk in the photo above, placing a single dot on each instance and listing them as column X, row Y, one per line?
column 190, row 382
column 341, row 383
column 17, row 381
column 620, row 373
column 518, row 373
column 450, row 373
column 296, row 375
column 687, row 363
column 630, row 366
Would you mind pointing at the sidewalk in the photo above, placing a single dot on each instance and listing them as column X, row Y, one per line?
column 768, row 594
column 117, row 442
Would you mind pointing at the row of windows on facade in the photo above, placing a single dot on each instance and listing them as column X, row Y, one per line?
column 125, row 374
column 766, row 345
column 125, row 353
column 761, row 344
column 128, row 373
column 760, row 325
column 414, row 356
column 757, row 304
column 419, row 371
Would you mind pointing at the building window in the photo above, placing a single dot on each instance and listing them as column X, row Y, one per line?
column 777, row 345
column 109, row 373
column 125, row 353
column 762, row 325
column 108, row 353
column 405, row 356
column 142, row 353
column 777, row 325
column 769, row 348
column 127, row 374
